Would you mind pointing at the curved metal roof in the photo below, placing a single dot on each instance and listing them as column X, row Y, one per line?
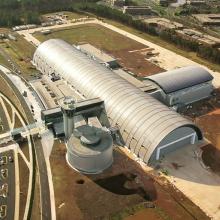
column 143, row 121
column 178, row 79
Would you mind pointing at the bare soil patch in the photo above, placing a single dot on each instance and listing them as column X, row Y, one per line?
column 122, row 190
column 136, row 62
column 206, row 114
column 211, row 157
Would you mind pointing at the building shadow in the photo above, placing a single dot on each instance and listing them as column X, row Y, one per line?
column 126, row 177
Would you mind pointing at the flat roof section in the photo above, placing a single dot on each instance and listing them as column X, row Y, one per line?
column 166, row 23
column 97, row 53
column 209, row 19
column 200, row 37
column 137, row 83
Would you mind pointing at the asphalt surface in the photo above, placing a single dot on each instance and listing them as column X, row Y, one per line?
column 37, row 147
column 10, row 199
column 44, row 184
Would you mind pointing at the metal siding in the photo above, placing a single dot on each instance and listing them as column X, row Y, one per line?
column 163, row 133
column 174, row 135
column 181, row 78
column 193, row 94
column 140, row 117
column 137, row 108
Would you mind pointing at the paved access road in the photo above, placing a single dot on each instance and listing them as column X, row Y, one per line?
column 45, row 205
column 44, row 184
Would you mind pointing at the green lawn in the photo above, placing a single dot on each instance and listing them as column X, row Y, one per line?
column 22, row 48
column 21, row 52
column 72, row 15
column 94, row 34
column 3, row 61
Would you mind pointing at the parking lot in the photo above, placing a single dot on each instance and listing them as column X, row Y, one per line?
column 7, row 185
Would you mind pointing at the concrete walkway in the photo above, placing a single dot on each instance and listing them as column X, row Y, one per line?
column 200, row 185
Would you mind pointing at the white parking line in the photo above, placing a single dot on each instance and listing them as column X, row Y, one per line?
column 24, row 158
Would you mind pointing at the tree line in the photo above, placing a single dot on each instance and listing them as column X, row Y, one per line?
column 15, row 12
column 18, row 12
column 204, row 51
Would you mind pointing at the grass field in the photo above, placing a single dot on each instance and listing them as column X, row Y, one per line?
column 22, row 48
column 3, row 61
column 109, row 41
column 21, row 52
column 93, row 34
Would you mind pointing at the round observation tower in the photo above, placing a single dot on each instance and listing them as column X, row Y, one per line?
column 68, row 108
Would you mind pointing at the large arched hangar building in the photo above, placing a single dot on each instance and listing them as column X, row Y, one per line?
column 149, row 128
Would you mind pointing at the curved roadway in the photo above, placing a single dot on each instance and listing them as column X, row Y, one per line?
column 38, row 155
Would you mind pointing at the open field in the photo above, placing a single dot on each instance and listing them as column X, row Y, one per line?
column 186, row 172
column 154, row 39
column 94, row 34
column 125, row 184
column 19, row 52
column 3, row 61
column 24, row 50
column 9, row 90
column 206, row 114
column 109, row 41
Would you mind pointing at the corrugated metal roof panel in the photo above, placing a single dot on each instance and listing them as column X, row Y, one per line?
column 181, row 78
column 141, row 118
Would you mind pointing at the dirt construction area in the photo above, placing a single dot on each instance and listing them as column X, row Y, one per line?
column 206, row 114
column 186, row 171
column 128, row 52
column 195, row 171
column 123, row 191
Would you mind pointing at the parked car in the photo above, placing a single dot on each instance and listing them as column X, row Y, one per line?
column 10, row 158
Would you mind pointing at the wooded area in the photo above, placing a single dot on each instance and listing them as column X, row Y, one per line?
column 14, row 12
